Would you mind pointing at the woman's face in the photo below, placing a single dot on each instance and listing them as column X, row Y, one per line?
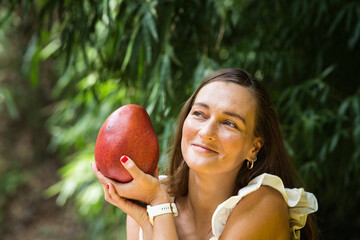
column 217, row 135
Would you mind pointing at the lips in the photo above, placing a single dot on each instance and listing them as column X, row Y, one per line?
column 204, row 148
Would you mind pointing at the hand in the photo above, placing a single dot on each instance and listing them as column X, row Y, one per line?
column 143, row 187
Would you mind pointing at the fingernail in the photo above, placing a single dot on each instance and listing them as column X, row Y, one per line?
column 108, row 186
column 124, row 159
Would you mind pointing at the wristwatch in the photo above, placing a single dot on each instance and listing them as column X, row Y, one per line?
column 161, row 209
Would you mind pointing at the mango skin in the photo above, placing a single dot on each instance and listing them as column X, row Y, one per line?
column 127, row 131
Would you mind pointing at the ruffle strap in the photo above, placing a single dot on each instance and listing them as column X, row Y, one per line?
column 300, row 204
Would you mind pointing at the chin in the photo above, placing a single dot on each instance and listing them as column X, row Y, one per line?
column 201, row 163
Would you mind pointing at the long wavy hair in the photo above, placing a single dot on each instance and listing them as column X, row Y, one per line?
column 272, row 157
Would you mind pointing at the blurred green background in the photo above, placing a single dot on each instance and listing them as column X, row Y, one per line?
column 65, row 65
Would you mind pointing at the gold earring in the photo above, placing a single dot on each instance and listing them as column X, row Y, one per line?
column 250, row 164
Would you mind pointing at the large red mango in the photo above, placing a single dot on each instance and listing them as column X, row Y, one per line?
column 127, row 131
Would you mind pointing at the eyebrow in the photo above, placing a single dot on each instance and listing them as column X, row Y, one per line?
column 227, row 113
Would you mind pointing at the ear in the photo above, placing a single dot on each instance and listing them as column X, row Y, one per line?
column 256, row 146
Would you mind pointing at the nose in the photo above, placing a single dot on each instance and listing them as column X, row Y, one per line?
column 208, row 130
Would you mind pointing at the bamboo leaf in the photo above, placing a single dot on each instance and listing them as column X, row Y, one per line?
column 340, row 15
column 34, row 68
column 6, row 97
column 50, row 49
column 343, row 107
column 356, row 34
column 130, row 47
column 150, row 23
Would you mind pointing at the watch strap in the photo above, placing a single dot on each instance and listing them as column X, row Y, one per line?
column 166, row 208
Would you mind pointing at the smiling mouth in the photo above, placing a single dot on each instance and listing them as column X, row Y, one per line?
column 203, row 148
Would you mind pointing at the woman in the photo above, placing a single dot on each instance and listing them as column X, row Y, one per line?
column 229, row 175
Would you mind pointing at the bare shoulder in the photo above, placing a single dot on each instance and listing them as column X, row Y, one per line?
column 263, row 214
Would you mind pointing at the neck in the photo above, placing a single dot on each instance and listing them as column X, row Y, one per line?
column 206, row 192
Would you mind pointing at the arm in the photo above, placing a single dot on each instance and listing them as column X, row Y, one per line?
column 164, row 225
column 132, row 229
column 137, row 213
column 262, row 214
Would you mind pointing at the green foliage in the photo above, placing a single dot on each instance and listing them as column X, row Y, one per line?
column 7, row 101
column 155, row 53
column 10, row 181
column 10, row 178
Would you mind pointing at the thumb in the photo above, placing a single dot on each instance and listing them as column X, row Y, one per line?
column 131, row 167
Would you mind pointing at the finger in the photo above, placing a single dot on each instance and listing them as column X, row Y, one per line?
column 94, row 166
column 126, row 205
column 131, row 167
column 107, row 196
column 113, row 194
column 112, row 197
column 110, row 193
column 99, row 175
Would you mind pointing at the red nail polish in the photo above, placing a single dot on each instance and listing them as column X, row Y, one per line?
column 124, row 159
column 108, row 186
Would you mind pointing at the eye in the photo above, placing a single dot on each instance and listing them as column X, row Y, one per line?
column 197, row 114
column 230, row 124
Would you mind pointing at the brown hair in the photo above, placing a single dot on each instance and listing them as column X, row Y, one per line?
column 272, row 157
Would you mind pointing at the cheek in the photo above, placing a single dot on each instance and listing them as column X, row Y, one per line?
column 235, row 146
column 188, row 133
column 188, row 129
column 185, row 133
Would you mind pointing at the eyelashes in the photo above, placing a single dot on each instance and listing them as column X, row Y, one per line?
column 227, row 122
column 230, row 124
column 197, row 114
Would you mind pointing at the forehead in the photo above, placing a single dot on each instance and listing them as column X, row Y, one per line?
column 228, row 96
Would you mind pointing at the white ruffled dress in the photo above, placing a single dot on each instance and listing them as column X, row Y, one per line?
column 300, row 204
